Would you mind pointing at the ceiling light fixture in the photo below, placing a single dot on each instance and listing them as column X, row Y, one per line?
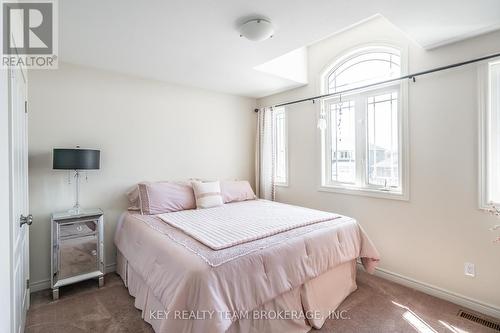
column 257, row 30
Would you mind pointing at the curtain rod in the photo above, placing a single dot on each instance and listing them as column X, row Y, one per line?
column 404, row 77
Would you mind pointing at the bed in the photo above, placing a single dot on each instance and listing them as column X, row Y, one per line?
column 253, row 266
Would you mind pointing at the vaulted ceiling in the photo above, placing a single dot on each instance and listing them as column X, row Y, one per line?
column 196, row 43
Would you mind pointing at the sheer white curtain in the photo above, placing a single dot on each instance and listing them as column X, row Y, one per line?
column 264, row 156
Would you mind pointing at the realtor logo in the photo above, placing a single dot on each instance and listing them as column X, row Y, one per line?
column 29, row 34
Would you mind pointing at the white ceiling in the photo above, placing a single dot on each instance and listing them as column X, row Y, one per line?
column 196, row 43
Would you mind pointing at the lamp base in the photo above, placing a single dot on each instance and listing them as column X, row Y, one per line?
column 76, row 210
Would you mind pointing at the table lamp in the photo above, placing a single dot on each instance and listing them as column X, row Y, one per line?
column 76, row 159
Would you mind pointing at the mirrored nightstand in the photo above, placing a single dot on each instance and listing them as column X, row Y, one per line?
column 77, row 248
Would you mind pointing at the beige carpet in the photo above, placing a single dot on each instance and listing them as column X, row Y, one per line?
column 378, row 306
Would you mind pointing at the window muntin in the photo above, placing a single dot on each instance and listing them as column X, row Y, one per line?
column 383, row 140
column 371, row 156
column 364, row 68
column 280, row 146
column 342, row 127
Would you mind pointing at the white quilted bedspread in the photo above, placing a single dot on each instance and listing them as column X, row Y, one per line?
column 236, row 223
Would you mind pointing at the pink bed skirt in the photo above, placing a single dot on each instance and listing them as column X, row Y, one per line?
column 317, row 299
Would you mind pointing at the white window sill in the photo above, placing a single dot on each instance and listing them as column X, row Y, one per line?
column 281, row 184
column 488, row 205
column 367, row 192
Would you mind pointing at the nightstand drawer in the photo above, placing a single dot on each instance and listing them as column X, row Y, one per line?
column 78, row 255
column 78, row 229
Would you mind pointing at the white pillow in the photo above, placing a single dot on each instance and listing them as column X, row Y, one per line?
column 207, row 194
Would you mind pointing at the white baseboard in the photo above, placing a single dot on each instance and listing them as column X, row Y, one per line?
column 450, row 296
column 45, row 284
column 447, row 295
column 39, row 285
column 110, row 268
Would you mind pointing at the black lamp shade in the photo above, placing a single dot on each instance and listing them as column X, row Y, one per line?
column 76, row 159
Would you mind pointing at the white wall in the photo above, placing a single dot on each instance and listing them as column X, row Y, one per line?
column 428, row 238
column 146, row 130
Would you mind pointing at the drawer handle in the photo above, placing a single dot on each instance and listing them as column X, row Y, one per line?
column 79, row 228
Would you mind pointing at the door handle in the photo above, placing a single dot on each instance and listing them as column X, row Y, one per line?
column 25, row 220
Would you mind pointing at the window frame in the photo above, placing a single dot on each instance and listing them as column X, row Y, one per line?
column 484, row 132
column 361, row 186
column 275, row 112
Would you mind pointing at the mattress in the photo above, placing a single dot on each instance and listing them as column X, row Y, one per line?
column 184, row 274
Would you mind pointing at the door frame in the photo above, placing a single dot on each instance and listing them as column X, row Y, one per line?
column 6, row 294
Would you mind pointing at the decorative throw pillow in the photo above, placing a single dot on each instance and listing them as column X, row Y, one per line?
column 165, row 197
column 207, row 194
column 236, row 190
column 133, row 199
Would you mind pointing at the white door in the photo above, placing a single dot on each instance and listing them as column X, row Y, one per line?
column 18, row 135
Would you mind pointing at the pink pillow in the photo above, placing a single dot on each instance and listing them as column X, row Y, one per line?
column 236, row 190
column 133, row 199
column 165, row 197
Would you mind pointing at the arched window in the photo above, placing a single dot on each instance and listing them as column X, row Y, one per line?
column 365, row 66
column 362, row 139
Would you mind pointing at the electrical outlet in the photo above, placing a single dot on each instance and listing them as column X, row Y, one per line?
column 469, row 269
